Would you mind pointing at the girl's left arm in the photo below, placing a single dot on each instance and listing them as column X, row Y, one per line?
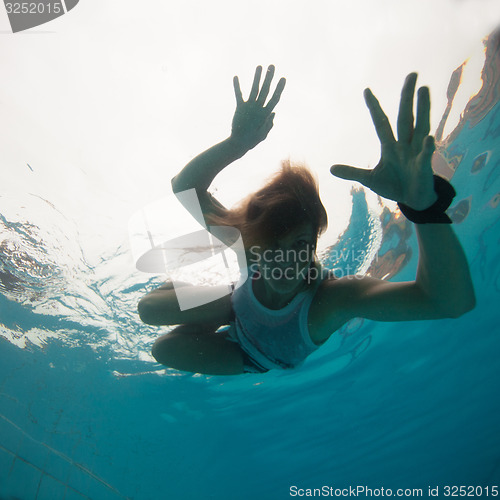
column 443, row 274
column 442, row 289
column 443, row 286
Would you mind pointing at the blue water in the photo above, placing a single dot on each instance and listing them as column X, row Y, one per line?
column 86, row 413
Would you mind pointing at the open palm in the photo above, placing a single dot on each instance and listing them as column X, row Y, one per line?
column 404, row 172
column 253, row 119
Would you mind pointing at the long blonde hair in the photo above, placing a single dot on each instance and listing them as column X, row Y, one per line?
column 288, row 199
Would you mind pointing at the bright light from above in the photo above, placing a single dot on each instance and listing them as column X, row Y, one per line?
column 109, row 106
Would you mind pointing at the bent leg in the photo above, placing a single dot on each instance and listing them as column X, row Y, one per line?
column 208, row 305
column 197, row 349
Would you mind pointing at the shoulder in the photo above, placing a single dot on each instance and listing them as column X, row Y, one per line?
column 334, row 293
column 374, row 299
column 336, row 301
column 352, row 293
column 326, row 313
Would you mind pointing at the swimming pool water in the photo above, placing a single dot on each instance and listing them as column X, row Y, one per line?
column 86, row 413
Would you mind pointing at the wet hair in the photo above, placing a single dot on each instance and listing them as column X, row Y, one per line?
column 289, row 199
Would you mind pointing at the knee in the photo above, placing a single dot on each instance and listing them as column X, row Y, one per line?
column 169, row 349
column 143, row 310
column 158, row 308
column 160, row 350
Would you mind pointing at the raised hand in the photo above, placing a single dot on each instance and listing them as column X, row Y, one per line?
column 253, row 119
column 404, row 172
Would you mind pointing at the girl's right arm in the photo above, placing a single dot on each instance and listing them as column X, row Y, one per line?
column 199, row 173
column 252, row 122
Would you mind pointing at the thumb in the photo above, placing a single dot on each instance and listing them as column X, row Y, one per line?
column 268, row 124
column 351, row 173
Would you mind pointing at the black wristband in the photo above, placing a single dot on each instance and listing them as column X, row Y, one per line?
column 435, row 214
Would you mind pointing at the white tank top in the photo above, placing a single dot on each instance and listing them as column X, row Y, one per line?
column 273, row 338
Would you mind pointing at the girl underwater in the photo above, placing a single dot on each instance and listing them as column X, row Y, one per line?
column 288, row 306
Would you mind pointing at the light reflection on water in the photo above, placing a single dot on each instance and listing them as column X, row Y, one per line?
column 56, row 292
column 44, row 270
column 424, row 398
